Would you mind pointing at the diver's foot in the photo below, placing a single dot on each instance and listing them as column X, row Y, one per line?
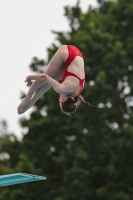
column 22, row 109
column 30, row 104
column 22, row 106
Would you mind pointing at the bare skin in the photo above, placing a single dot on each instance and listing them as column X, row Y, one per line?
column 51, row 77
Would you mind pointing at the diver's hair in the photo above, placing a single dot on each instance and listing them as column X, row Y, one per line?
column 69, row 107
column 80, row 98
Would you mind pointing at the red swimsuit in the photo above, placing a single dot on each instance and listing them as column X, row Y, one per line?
column 73, row 52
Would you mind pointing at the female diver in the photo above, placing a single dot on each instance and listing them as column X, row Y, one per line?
column 67, row 65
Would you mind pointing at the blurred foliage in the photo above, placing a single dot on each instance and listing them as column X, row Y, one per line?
column 88, row 156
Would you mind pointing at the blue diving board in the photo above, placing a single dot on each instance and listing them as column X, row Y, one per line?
column 18, row 178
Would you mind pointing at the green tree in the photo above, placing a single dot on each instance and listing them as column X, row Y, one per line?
column 88, row 156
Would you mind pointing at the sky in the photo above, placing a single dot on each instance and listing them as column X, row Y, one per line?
column 26, row 31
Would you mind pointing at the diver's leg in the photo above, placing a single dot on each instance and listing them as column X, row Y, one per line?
column 25, row 105
column 55, row 66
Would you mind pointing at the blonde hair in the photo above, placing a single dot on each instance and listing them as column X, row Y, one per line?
column 69, row 107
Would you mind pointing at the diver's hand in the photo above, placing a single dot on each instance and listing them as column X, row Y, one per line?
column 28, row 80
